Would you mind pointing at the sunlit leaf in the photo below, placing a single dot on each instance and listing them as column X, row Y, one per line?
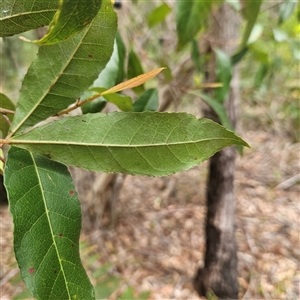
column 195, row 55
column 47, row 219
column 148, row 143
column 122, row 55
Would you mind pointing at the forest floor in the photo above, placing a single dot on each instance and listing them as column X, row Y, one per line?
column 158, row 240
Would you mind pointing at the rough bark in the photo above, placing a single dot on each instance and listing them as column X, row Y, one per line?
column 219, row 273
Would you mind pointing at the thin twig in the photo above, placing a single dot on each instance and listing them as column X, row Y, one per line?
column 2, row 159
column 78, row 104
column 289, row 182
column 6, row 111
column 12, row 273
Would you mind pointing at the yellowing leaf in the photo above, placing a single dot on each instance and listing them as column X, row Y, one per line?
column 133, row 82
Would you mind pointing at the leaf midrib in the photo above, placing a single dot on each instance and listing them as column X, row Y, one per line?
column 27, row 13
column 49, row 222
column 62, row 143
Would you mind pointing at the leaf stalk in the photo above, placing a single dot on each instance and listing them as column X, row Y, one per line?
column 6, row 111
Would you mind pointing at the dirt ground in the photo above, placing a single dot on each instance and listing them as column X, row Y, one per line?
column 158, row 240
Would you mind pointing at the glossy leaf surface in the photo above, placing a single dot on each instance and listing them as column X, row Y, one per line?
column 20, row 16
column 124, row 103
column 62, row 72
column 71, row 17
column 148, row 143
column 47, row 219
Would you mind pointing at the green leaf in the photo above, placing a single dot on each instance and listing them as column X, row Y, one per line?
column 237, row 57
column 47, row 220
column 158, row 15
column 261, row 74
column 190, row 18
column 106, row 79
column 122, row 55
column 195, row 55
column 112, row 74
column 251, row 13
column 224, row 74
column 123, row 102
column 95, row 106
column 148, row 143
column 71, row 17
column 20, row 16
column 148, row 101
column 217, row 107
column 107, row 286
column 62, row 72
column 135, row 69
column 286, row 10
column 6, row 103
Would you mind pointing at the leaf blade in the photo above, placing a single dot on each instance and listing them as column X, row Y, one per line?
column 251, row 14
column 6, row 103
column 62, row 72
column 47, row 220
column 149, row 143
column 21, row 16
column 190, row 17
column 71, row 17
column 158, row 15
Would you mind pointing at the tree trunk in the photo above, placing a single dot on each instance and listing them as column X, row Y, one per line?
column 219, row 274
